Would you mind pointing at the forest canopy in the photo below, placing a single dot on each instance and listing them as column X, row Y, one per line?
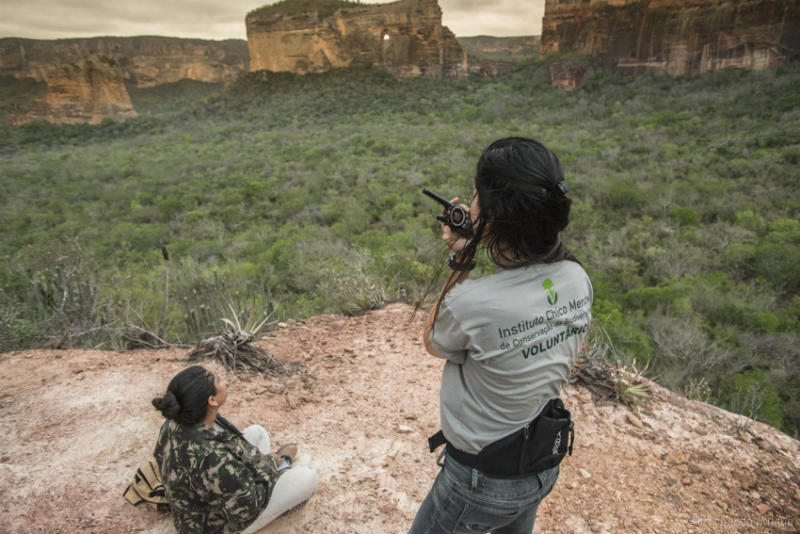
column 302, row 195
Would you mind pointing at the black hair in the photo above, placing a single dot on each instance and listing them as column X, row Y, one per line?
column 523, row 204
column 186, row 399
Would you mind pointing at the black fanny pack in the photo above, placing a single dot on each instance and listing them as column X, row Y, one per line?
column 539, row 445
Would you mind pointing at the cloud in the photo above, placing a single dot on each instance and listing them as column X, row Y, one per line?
column 50, row 19
column 214, row 19
column 493, row 17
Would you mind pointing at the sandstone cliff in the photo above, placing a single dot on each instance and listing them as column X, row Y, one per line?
column 145, row 61
column 405, row 37
column 90, row 90
column 678, row 37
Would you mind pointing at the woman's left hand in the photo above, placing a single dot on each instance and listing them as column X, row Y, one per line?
column 455, row 241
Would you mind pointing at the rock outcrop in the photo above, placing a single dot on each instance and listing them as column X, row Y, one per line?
column 406, row 38
column 87, row 91
column 677, row 37
column 495, row 56
column 145, row 61
column 488, row 48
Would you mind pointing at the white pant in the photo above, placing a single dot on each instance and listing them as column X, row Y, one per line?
column 294, row 486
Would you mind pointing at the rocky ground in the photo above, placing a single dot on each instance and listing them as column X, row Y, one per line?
column 76, row 424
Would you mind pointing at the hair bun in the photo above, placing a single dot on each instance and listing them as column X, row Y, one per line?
column 168, row 405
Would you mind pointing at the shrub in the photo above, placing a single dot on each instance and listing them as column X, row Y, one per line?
column 751, row 393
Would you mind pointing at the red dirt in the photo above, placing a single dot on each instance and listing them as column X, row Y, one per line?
column 78, row 422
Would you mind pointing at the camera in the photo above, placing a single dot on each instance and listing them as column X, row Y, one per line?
column 453, row 215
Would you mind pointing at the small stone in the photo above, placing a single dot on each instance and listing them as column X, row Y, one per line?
column 403, row 429
column 787, row 461
column 5, row 459
column 635, row 421
column 797, row 494
column 700, row 429
column 669, row 481
column 747, row 482
column 386, row 506
column 705, row 456
column 674, row 458
column 730, row 484
column 764, row 444
column 687, row 481
column 763, row 509
column 695, row 469
column 584, row 473
column 282, row 325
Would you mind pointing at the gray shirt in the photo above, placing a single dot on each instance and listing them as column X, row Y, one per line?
column 510, row 340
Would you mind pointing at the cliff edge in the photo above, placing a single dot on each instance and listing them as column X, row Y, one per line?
column 77, row 423
column 144, row 61
column 86, row 91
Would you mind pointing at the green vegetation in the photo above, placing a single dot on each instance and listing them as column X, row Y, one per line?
column 305, row 193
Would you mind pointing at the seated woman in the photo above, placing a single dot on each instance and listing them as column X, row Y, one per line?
column 216, row 478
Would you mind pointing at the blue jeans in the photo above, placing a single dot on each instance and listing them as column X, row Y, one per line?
column 464, row 500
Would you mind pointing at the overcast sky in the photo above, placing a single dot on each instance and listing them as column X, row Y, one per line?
column 224, row 19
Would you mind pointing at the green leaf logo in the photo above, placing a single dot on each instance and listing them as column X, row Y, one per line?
column 552, row 295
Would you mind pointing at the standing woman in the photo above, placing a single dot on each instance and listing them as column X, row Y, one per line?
column 216, row 478
column 509, row 339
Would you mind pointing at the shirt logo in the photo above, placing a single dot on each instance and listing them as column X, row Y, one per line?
column 552, row 295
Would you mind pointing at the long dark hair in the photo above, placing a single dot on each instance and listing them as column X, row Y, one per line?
column 186, row 399
column 523, row 207
column 523, row 203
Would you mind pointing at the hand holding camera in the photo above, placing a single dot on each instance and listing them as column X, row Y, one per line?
column 455, row 216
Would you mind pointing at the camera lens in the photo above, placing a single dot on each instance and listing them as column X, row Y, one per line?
column 457, row 217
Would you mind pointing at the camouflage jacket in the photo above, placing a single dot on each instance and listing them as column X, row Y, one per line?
column 215, row 480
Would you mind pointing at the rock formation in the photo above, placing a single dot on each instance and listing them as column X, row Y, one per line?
column 405, row 37
column 486, row 47
column 145, row 61
column 495, row 56
column 87, row 91
column 568, row 74
column 678, row 37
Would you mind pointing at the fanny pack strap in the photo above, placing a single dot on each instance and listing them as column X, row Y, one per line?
column 436, row 441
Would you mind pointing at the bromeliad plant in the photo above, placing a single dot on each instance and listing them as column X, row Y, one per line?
column 235, row 346
column 607, row 381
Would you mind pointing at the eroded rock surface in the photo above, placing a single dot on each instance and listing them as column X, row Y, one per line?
column 677, row 37
column 405, row 37
column 87, row 91
column 145, row 61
